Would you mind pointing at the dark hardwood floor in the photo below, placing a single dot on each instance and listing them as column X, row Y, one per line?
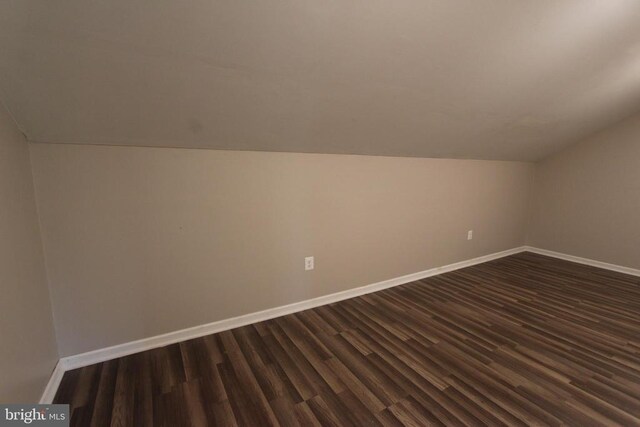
column 524, row 340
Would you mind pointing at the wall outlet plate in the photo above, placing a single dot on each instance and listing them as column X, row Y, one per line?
column 309, row 263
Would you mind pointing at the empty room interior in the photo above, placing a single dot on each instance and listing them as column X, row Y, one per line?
column 320, row 213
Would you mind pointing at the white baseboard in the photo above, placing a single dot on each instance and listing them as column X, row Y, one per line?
column 586, row 261
column 120, row 350
column 52, row 386
column 104, row 354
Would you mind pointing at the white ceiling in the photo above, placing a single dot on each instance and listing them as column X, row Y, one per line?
column 486, row 79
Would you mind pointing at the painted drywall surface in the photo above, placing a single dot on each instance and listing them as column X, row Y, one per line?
column 587, row 198
column 483, row 79
column 143, row 241
column 28, row 350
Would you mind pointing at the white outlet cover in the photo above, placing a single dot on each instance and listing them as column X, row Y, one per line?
column 470, row 235
column 309, row 263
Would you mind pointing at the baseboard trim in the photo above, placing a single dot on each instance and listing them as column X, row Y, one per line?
column 585, row 261
column 52, row 386
column 125, row 349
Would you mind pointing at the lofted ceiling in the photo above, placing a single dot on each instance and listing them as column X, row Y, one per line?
column 484, row 79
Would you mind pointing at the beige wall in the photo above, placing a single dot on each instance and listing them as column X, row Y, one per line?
column 28, row 351
column 142, row 241
column 587, row 198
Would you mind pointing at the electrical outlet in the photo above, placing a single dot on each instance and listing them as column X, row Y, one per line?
column 309, row 263
column 470, row 235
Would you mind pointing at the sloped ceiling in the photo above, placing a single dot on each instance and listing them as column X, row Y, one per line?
column 485, row 79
